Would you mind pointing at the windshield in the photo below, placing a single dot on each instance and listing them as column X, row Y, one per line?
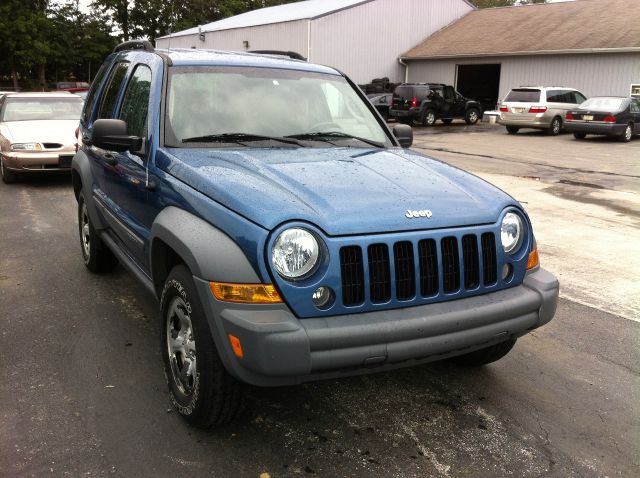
column 34, row 109
column 523, row 96
column 233, row 105
column 603, row 104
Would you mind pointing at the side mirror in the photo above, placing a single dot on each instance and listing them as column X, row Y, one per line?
column 404, row 135
column 111, row 134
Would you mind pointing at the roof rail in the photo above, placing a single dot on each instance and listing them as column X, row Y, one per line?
column 134, row 45
column 291, row 54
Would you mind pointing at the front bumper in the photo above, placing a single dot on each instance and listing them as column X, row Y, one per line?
column 594, row 128
column 280, row 349
column 38, row 161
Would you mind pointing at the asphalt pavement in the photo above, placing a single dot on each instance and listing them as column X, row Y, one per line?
column 82, row 391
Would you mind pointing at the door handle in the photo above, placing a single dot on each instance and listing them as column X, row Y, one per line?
column 110, row 159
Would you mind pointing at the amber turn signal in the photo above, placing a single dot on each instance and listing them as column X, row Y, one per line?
column 236, row 346
column 534, row 259
column 245, row 293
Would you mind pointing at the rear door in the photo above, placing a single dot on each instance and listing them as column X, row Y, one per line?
column 635, row 114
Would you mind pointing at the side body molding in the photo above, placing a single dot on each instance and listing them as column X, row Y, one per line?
column 208, row 252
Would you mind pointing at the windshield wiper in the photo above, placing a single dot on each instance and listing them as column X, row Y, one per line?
column 334, row 134
column 239, row 138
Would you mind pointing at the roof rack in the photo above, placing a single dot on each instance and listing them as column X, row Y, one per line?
column 134, row 45
column 291, row 54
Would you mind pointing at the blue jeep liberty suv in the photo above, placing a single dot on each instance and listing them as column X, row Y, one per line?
column 285, row 230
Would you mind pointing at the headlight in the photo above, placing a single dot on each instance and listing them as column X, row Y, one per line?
column 295, row 253
column 511, row 232
column 26, row 147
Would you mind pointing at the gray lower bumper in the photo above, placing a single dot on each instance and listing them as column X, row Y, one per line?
column 280, row 349
column 594, row 128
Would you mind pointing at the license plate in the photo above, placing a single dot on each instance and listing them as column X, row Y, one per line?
column 65, row 161
column 588, row 117
column 518, row 110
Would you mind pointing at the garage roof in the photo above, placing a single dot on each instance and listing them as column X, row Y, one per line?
column 289, row 12
column 581, row 26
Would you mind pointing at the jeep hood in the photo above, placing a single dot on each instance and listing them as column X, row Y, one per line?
column 341, row 190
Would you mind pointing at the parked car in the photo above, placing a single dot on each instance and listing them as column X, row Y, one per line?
column 289, row 245
column 381, row 103
column 37, row 133
column 605, row 115
column 427, row 102
column 539, row 108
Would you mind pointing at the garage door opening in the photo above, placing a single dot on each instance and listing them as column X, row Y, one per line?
column 480, row 82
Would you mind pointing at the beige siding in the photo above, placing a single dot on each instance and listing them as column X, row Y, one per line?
column 366, row 41
column 593, row 74
column 277, row 36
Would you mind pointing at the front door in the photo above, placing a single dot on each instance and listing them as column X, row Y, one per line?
column 128, row 187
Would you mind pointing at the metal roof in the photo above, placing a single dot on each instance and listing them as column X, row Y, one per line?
column 289, row 12
column 581, row 26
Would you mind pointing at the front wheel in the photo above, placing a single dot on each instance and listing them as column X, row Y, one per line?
column 486, row 355
column 428, row 118
column 512, row 129
column 625, row 137
column 579, row 135
column 200, row 387
column 555, row 127
column 472, row 116
column 97, row 256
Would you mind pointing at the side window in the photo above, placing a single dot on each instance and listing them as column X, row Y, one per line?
column 449, row 93
column 635, row 106
column 554, row 96
column 579, row 97
column 111, row 90
column 91, row 96
column 135, row 105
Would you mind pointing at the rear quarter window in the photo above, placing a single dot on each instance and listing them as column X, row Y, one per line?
column 523, row 96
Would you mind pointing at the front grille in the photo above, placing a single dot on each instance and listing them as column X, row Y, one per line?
column 444, row 266
column 51, row 145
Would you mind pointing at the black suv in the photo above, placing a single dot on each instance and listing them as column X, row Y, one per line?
column 427, row 102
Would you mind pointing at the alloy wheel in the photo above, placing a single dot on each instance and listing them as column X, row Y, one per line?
column 181, row 345
column 85, row 232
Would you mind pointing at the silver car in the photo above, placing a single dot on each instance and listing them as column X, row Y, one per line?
column 538, row 107
column 37, row 133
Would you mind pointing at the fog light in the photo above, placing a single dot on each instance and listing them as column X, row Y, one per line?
column 323, row 297
column 506, row 271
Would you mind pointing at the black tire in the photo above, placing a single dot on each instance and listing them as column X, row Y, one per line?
column 97, row 256
column 512, row 129
column 555, row 127
column 472, row 116
column 626, row 136
column 579, row 135
column 8, row 177
column 208, row 396
column 486, row 355
column 428, row 118
column 447, row 120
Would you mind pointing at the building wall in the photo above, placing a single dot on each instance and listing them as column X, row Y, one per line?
column 365, row 41
column 277, row 36
column 593, row 74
